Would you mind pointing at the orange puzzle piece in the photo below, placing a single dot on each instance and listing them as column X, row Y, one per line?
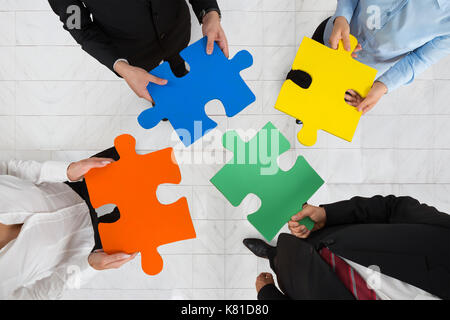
column 145, row 224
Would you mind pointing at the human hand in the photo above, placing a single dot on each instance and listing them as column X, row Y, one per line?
column 341, row 31
column 100, row 260
column 378, row 90
column 263, row 280
column 316, row 214
column 353, row 98
column 213, row 30
column 138, row 79
column 77, row 170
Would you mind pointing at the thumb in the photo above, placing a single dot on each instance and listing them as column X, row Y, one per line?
column 156, row 80
column 363, row 105
column 116, row 257
column 210, row 45
column 305, row 212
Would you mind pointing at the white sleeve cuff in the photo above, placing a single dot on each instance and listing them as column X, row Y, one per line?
column 118, row 60
column 54, row 171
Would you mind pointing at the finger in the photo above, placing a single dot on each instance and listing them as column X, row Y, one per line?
column 334, row 41
column 156, row 80
column 358, row 48
column 117, row 264
column 111, row 258
column 146, row 95
column 210, row 45
column 363, row 105
column 305, row 212
column 101, row 162
column 223, row 45
column 368, row 108
column 346, row 40
column 349, row 98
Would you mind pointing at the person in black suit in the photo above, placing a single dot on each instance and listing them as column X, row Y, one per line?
column 132, row 37
column 364, row 248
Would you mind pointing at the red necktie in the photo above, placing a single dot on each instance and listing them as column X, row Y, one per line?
column 348, row 276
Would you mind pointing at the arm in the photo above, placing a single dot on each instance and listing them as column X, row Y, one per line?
column 416, row 62
column 380, row 209
column 346, row 8
column 271, row 292
column 53, row 286
column 200, row 6
column 91, row 38
column 36, row 172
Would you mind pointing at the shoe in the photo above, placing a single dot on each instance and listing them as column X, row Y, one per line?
column 299, row 122
column 259, row 248
column 165, row 119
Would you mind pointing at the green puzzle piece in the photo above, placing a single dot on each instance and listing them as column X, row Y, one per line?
column 254, row 169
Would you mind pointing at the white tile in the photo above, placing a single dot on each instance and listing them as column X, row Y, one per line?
column 316, row 5
column 236, row 21
column 210, row 237
column 7, row 126
column 441, row 166
column 414, row 166
column 279, row 28
column 51, row 63
column 378, row 131
column 277, row 62
column 235, row 232
column 50, row 132
column 41, row 28
column 7, row 67
column 278, row 5
column 7, row 23
column 344, row 166
column 28, row 5
column 240, row 271
column 239, row 5
column 50, row 98
column 209, row 271
column 307, row 23
column 415, row 132
column 379, row 165
column 7, row 97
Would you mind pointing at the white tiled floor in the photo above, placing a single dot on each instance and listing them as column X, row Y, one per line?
column 56, row 102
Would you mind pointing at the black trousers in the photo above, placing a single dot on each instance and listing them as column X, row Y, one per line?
column 81, row 188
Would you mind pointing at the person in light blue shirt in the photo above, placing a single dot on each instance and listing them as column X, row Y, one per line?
column 399, row 38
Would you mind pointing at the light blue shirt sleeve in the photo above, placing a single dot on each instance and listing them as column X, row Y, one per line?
column 416, row 62
column 346, row 8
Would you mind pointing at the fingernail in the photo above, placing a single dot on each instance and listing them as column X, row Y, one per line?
column 106, row 162
column 125, row 256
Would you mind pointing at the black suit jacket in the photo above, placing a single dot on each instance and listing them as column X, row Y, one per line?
column 144, row 32
column 406, row 240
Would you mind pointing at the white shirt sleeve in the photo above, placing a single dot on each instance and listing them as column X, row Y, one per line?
column 36, row 172
column 52, row 287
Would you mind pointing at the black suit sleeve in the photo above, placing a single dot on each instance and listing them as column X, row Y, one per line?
column 199, row 5
column 271, row 292
column 379, row 209
column 91, row 38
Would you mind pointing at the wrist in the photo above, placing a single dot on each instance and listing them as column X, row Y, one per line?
column 122, row 68
column 211, row 16
column 382, row 86
column 341, row 19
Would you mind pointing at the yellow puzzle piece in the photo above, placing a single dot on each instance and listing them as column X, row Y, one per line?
column 322, row 105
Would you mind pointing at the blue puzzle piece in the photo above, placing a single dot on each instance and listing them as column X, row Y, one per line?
column 183, row 100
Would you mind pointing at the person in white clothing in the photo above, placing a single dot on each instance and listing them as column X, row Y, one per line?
column 46, row 231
